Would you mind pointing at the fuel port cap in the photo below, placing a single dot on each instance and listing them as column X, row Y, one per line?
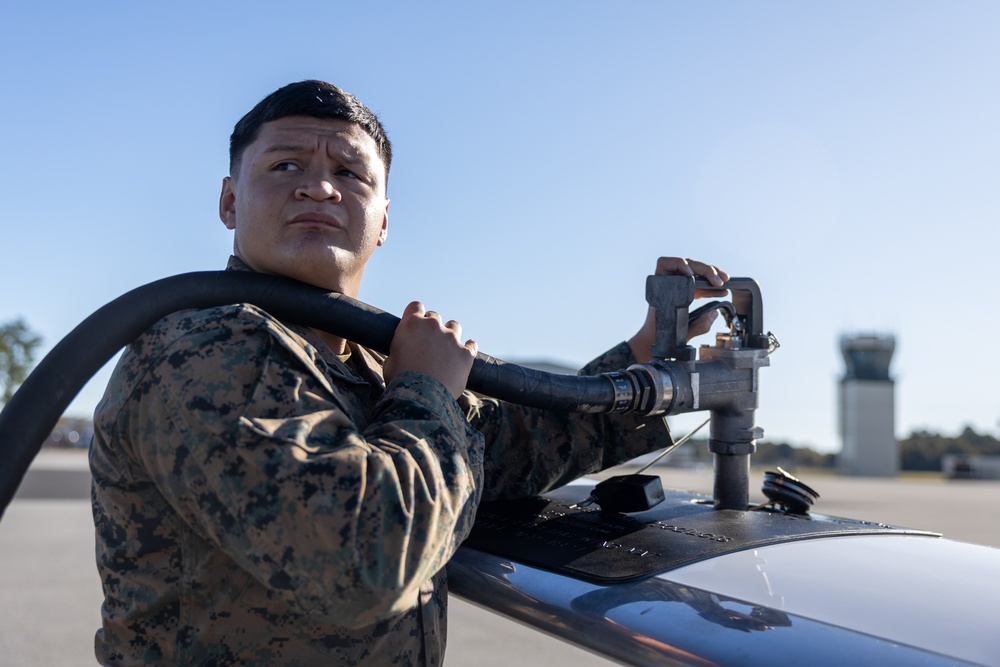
column 789, row 492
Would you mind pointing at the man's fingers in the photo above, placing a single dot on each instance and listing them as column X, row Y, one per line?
column 472, row 346
column 715, row 275
column 703, row 324
column 681, row 266
column 676, row 266
column 414, row 308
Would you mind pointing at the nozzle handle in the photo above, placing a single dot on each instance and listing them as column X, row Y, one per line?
column 671, row 297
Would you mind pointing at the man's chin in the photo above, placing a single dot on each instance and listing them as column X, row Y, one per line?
column 327, row 267
column 327, row 273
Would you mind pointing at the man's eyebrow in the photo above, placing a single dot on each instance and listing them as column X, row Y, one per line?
column 285, row 148
column 349, row 156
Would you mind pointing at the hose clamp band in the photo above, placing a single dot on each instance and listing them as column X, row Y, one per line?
column 624, row 391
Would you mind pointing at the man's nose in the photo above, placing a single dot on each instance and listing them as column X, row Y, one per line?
column 317, row 189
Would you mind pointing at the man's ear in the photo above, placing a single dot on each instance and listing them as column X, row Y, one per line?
column 384, row 233
column 227, row 203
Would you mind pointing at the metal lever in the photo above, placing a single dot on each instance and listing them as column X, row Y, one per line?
column 671, row 297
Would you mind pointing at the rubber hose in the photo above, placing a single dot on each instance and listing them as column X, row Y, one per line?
column 31, row 414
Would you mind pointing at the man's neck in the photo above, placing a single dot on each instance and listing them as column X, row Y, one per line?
column 336, row 344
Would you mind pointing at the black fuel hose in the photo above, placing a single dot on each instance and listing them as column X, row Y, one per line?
column 31, row 414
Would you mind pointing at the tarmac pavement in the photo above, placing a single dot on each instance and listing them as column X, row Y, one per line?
column 51, row 593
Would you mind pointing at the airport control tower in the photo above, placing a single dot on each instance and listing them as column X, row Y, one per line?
column 868, row 407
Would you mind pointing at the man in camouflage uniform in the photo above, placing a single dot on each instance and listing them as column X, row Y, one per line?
column 268, row 494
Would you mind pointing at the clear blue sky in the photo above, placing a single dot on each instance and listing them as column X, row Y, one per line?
column 846, row 155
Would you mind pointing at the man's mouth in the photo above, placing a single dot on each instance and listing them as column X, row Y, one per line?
column 316, row 219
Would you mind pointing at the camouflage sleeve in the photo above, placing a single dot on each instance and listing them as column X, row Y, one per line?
column 255, row 450
column 530, row 451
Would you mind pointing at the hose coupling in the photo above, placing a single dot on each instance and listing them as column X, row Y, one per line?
column 645, row 389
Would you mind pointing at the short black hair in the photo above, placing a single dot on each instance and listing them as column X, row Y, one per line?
column 316, row 99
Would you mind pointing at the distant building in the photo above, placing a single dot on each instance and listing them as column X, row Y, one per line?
column 965, row 466
column 867, row 407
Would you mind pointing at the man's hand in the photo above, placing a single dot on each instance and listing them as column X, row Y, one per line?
column 678, row 266
column 423, row 344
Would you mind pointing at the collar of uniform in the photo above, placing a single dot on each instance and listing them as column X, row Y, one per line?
column 237, row 264
column 367, row 365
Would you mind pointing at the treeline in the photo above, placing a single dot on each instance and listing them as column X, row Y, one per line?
column 921, row 450
column 781, row 454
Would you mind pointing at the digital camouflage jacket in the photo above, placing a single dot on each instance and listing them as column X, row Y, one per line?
column 258, row 501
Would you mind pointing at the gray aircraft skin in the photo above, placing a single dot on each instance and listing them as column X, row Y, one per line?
column 851, row 593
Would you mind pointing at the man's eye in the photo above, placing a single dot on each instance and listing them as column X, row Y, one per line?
column 347, row 173
column 286, row 166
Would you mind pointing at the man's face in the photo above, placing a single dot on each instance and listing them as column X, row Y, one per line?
column 308, row 202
